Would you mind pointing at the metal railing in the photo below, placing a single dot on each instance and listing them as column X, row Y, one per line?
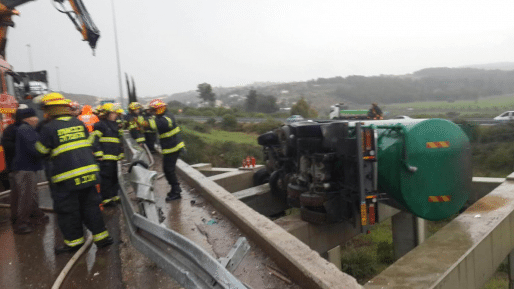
column 186, row 262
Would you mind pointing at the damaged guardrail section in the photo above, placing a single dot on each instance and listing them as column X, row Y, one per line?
column 187, row 263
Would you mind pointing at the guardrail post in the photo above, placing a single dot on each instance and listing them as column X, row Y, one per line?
column 511, row 270
column 408, row 232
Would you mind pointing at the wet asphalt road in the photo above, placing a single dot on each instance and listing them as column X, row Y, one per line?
column 29, row 261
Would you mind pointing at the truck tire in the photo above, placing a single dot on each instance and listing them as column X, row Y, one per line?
column 313, row 217
column 312, row 200
column 261, row 177
column 276, row 184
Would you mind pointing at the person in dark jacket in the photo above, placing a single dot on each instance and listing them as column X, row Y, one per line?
column 171, row 144
column 23, row 178
column 73, row 172
column 375, row 112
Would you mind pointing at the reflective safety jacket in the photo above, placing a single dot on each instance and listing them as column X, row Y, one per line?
column 168, row 132
column 65, row 141
column 107, row 140
column 135, row 124
column 88, row 118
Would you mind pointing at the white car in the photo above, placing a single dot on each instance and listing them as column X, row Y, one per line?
column 506, row 116
column 402, row 117
column 294, row 118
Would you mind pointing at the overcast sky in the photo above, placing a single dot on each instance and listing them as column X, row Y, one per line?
column 172, row 46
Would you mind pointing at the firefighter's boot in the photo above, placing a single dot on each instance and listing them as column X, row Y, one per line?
column 174, row 194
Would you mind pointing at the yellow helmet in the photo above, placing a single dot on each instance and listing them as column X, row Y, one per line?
column 54, row 98
column 108, row 107
column 134, row 105
column 120, row 111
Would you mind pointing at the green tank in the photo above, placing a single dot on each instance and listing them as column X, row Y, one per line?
column 424, row 164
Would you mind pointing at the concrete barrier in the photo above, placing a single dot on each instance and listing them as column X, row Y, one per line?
column 463, row 254
column 304, row 265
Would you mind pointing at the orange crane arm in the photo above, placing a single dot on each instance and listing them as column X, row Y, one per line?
column 77, row 14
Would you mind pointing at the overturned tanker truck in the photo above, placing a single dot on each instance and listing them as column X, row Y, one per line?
column 337, row 171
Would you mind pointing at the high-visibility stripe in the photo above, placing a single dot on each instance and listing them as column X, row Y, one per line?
column 437, row 144
column 64, row 118
column 121, row 156
column 98, row 153
column 74, row 173
column 439, row 199
column 110, row 158
column 110, row 139
column 152, row 124
column 106, row 201
column 140, row 139
column 115, row 198
column 74, row 243
column 170, row 122
column 100, row 236
column 41, row 148
column 170, row 133
column 172, row 150
column 70, row 146
column 98, row 133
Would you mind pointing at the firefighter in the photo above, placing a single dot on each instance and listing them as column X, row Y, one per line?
column 171, row 144
column 150, row 135
column 75, row 108
column 108, row 151
column 88, row 118
column 135, row 122
column 375, row 112
column 73, row 172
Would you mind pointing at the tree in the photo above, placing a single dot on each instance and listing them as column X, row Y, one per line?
column 251, row 100
column 205, row 93
column 267, row 104
column 304, row 109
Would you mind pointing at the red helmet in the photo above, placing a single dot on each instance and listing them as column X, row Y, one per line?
column 158, row 105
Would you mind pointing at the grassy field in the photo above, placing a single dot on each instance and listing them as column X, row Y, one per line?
column 219, row 136
column 483, row 107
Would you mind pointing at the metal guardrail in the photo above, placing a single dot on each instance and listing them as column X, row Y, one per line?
column 189, row 264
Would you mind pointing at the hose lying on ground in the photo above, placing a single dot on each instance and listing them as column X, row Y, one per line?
column 69, row 265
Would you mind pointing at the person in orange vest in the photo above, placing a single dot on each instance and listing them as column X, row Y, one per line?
column 88, row 118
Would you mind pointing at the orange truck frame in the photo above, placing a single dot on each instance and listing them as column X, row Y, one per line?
column 82, row 21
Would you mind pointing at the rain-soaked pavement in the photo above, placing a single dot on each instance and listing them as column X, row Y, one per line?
column 29, row 261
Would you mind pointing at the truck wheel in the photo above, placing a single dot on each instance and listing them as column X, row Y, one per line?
column 293, row 202
column 313, row 217
column 261, row 177
column 312, row 200
column 276, row 184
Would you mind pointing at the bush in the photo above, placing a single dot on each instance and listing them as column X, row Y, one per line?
column 211, row 121
column 385, row 253
column 229, row 122
column 358, row 263
column 201, row 127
